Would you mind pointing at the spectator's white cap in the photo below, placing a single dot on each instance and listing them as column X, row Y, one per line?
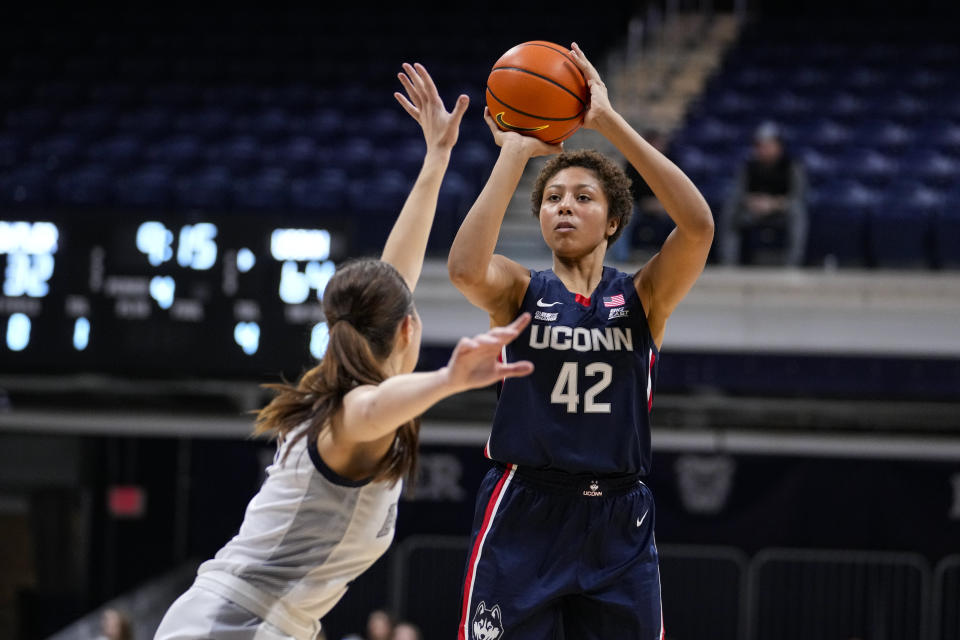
column 767, row 131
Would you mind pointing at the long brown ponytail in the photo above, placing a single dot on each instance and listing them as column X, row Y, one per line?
column 364, row 304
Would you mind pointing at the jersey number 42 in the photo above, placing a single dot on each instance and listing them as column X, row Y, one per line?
column 565, row 391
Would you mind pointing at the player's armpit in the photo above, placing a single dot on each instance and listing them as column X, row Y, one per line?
column 499, row 291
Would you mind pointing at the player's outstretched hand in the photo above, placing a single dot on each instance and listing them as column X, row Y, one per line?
column 599, row 106
column 474, row 361
column 423, row 103
column 530, row 146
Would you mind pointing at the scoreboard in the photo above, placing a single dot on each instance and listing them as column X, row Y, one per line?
column 229, row 295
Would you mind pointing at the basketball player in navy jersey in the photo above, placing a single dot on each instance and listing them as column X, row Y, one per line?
column 563, row 543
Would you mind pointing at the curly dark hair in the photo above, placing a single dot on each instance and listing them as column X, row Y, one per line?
column 615, row 184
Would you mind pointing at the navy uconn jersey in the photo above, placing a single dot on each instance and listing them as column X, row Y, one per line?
column 586, row 406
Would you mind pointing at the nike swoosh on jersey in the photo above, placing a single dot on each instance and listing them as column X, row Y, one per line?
column 640, row 520
column 541, row 303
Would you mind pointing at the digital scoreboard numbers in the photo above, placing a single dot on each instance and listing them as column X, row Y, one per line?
column 228, row 296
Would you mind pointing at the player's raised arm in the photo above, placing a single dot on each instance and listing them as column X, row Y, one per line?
column 491, row 281
column 407, row 241
column 371, row 412
column 668, row 276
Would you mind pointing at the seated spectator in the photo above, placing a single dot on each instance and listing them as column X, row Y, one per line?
column 379, row 625
column 115, row 625
column 406, row 631
column 768, row 198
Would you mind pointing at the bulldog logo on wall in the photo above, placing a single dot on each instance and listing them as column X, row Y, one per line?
column 705, row 482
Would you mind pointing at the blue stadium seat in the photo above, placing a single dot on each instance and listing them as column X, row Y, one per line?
column 867, row 79
column 808, row 79
column 325, row 124
column 11, row 149
column 57, row 152
column 946, row 236
column 948, row 106
column 788, row 105
column 752, row 78
column 712, row 133
column 373, row 205
column 25, row 186
column 356, row 155
column 383, row 194
column 150, row 187
column 700, row 165
column 267, row 124
column 838, row 214
column 473, row 159
column 716, row 188
column 406, row 155
column 456, row 196
column 207, row 189
column 829, row 134
column 932, row 167
column 389, row 124
column 904, row 108
column 297, row 155
column 925, row 81
column 120, row 151
column 847, row 107
column 267, row 191
column 240, row 154
column 180, row 151
column 731, row 104
column 820, row 167
column 87, row 186
column 869, row 166
column 324, row 192
column 899, row 230
column 884, row 134
column 943, row 135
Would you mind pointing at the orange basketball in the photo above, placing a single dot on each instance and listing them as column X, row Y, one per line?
column 536, row 89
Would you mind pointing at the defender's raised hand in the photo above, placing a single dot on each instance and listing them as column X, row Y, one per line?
column 440, row 127
column 474, row 361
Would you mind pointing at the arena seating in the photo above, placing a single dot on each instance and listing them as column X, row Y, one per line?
column 260, row 110
column 872, row 108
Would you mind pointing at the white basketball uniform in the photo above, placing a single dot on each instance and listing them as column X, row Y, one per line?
column 305, row 536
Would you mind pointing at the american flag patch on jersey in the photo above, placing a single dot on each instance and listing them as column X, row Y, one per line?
column 614, row 301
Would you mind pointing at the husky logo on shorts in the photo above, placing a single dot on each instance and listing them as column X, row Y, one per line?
column 486, row 623
column 594, row 490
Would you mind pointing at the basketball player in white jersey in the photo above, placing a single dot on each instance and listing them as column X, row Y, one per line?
column 347, row 431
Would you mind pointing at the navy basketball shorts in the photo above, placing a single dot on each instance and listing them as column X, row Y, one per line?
column 561, row 556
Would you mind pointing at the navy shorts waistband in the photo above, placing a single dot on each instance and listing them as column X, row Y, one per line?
column 581, row 484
